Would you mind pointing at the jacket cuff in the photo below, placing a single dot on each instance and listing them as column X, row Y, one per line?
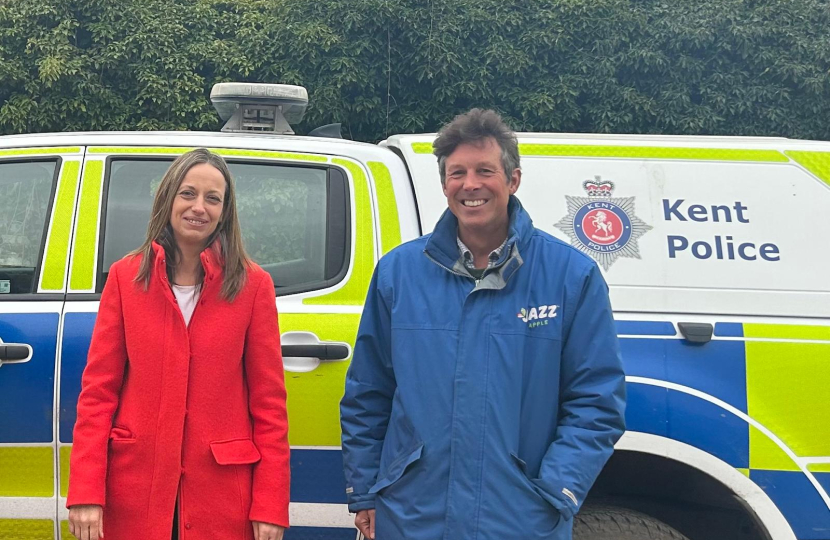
column 84, row 502
column 269, row 515
column 78, row 495
column 565, row 506
column 361, row 502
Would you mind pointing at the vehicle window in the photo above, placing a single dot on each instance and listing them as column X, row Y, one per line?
column 130, row 191
column 283, row 212
column 25, row 192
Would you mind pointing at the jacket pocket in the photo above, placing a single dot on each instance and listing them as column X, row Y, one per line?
column 531, row 485
column 235, row 452
column 121, row 434
column 520, row 463
column 397, row 468
column 527, row 480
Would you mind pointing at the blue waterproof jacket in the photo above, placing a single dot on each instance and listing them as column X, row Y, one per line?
column 481, row 410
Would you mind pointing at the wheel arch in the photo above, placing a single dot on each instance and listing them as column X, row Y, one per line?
column 707, row 480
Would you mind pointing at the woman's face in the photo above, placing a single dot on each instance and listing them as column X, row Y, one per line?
column 198, row 205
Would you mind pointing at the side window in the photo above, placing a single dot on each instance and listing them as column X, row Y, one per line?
column 282, row 212
column 25, row 196
column 294, row 219
column 129, row 199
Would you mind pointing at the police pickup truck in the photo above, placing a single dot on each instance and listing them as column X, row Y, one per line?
column 715, row 250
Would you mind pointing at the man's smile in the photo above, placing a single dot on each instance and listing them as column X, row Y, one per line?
column 473, row 203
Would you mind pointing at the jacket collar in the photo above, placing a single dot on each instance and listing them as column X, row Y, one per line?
column 442, row 246
column 211, row 258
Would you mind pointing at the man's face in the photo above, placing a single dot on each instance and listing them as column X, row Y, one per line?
column 477, row 189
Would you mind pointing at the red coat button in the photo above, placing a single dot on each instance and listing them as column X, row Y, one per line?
column 187, row 526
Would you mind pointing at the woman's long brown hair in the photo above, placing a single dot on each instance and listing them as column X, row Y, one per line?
column 233, row 258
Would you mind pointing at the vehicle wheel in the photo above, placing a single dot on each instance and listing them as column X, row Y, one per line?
column 614, row 523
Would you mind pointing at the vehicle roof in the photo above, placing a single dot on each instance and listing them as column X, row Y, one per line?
column 705, row 141
column 182, row 138
column 329, row 145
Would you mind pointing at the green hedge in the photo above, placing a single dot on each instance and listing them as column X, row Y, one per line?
column 732, row 67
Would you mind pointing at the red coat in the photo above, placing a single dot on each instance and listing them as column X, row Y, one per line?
column 166, row 410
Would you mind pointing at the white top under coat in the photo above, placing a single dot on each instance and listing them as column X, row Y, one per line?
column 186, row 297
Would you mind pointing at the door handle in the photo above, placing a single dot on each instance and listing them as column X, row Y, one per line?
column 303, row 351
column 696, row 332
column 323, row 351
column 14, row 353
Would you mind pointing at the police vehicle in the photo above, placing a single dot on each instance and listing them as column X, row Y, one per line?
column 715, row 250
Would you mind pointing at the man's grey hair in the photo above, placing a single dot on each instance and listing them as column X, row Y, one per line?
column 474, row 127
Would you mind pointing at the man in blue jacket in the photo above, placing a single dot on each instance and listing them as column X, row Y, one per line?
column 486, row 391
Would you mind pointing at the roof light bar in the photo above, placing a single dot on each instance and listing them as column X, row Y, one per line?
column 259, row 107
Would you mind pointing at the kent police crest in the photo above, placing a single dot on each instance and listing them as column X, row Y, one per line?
column 601, row 226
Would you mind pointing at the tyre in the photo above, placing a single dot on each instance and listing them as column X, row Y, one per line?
column 614, row 523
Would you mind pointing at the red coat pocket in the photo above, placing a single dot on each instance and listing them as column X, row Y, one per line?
column 121, row 434
column 235, row 452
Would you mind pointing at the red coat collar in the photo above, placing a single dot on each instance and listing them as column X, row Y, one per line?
column 211, row 258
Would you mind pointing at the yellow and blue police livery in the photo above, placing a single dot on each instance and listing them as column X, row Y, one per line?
column 716, row 396
column 94, row 211
column 722, row 313
column 724, row 319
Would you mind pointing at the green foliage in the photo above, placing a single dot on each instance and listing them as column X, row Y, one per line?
column 737, row 67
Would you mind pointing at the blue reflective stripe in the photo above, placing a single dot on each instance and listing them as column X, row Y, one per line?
column 664, row 328
column 645, row 328
column 77, row 333
column 709, row 427
column 823, row 479
column 800, row 503
column 317, row 476
column 320, row 533
column 717, row 369
column 667, row 413
column 26, row 390
column 729, row 329
column 646, row 409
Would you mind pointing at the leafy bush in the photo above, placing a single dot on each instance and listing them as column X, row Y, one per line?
column 737, row 67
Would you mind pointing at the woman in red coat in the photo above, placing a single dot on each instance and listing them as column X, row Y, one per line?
column 181, row 423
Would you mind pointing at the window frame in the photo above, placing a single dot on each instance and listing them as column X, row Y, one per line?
column 337, row 211
column 35, row 295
